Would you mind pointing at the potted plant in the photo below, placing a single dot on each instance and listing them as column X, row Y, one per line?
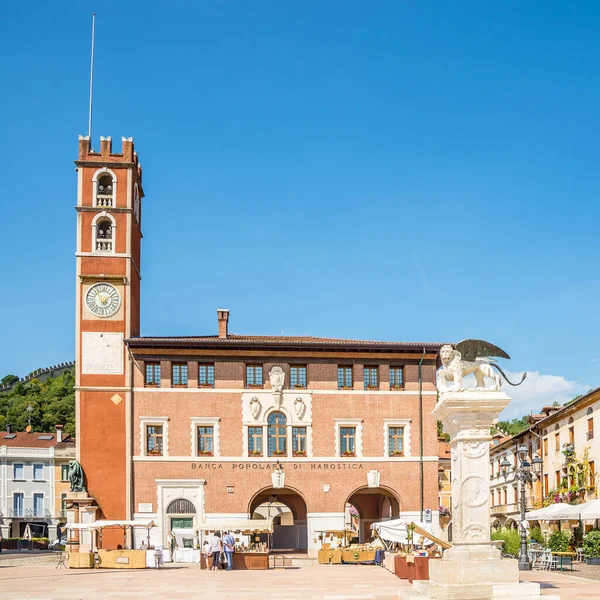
column 300, row 453
column 151, row 385
column 206, row 385
column 255, row 386
column 346, row 387
column 180, row 385
column 279, row 453
column 205, row 453
column 591, row 547
column 254, row 453
column 299, row 386
column 559, row 542
column 397, row 453
column 372, row 386
column 348, row 453
column 154, row 452
column 397, row 386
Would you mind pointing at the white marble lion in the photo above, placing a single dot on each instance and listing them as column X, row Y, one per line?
column 455, row 367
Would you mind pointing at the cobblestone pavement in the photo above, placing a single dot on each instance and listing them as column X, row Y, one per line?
column 39, row 581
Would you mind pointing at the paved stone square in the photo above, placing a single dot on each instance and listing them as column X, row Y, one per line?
column 347, row 582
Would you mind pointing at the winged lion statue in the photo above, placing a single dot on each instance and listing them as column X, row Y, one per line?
column 472, row 356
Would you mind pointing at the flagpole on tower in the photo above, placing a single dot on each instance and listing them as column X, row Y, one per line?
column 91, row 78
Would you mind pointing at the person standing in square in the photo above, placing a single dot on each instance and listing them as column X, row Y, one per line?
column 229, row 546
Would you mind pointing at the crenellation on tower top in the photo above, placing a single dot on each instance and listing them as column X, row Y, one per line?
column 127, row 154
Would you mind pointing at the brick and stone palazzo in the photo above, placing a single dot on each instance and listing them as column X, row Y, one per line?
column 319, row 433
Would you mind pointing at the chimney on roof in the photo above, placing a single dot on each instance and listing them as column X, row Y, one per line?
column 223, row 318
column 59, row 434
column 8, row 428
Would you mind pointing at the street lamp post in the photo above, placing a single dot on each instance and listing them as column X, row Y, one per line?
column 524, row 474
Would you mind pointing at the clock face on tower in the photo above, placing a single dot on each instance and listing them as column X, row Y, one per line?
column 103, row 299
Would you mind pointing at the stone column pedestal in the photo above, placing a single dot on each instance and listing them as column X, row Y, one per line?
column 82, row 508
column 472, row 569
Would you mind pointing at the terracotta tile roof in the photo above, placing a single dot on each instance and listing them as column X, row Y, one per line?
column 306, row 340
column 32, row 440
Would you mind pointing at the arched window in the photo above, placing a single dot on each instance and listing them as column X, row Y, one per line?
column 181, row 506
column 104, row 236
column 570, row 420
column 277, row 434
column 104, row 191
column 556, row 427
column 590, row 410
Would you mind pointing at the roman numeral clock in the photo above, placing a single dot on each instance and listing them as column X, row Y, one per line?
column 103, row 300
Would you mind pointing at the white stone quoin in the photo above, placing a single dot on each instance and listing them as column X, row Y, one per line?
column 472, row 569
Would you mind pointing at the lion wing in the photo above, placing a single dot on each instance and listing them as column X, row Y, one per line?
column 472, row 349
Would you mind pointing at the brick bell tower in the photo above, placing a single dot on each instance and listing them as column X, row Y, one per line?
column 109, row 195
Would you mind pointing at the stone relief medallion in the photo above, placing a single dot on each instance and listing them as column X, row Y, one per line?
column 255, row 407
column 474, row 449
column 475, row 532
column 474, row 491
column 276, row 377
column 454, row 452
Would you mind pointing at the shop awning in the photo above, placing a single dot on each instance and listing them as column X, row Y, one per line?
column 586, row 511
column 396, row 531
column 238, row 525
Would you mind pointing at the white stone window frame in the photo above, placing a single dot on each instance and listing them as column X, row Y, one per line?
column 101, row 217
column 406, row 424
column 144, row 422
column 136, row 203
column 213, row 422
column 358, row 424
column 14, row 478
column 97, row 175
column 33, row 466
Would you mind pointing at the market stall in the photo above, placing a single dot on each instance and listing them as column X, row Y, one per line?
column 250, row 553
column 410, row 547
column 333, row 542
column 120, row 558
column 186, row 545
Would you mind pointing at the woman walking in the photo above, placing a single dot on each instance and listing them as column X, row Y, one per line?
column 216, row 547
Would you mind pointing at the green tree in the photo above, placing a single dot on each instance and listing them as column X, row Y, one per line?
column 52, row 403
column 8, row 380
column 514, row 426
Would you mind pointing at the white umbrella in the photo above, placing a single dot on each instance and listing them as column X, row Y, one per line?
column 547, row 512
column 587, row 511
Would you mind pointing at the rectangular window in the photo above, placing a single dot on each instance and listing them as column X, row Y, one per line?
column 152, row 375
column 206, row 376
column 592, row 482
column 370, row 378
column 348, row 441
column 515, row 496
column 396, row 378
column 254, row 376
column 297, row 377
column 344, row 378
column 557, row 475
column 590, row 429
column 299, row 441
column 255, row 441
column 545, row 446
column 180, row 375
column 18, row 500
column 396, row 441
column 505, row 496
column 205, row 440
column 38, row 505
column 499, row 498
column 557, row 442
column 492, row 498
column 38, row 472
column 18, row 471
column 63, row 505
column 64, row 472
column 154, row 440
column 571, row 435
column 546, row 488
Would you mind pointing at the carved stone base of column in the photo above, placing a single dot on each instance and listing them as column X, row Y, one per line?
column 475, row 573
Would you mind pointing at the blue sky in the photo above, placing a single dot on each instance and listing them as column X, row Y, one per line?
column 383, row 170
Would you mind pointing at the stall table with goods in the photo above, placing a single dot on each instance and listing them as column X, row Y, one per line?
column 333, row 543
column 120, row 558
column 400, row 538
column 251, row 553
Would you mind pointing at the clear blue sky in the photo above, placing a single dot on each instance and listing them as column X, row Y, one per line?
column 381, row 170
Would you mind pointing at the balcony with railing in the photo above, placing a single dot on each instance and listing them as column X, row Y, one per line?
column 504, row 509
column 29, row 513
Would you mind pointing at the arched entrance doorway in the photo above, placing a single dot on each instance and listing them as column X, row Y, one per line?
column 287, row 508
column 180, row 514
column 372, row 505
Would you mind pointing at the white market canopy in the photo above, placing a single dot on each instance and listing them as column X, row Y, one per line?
column 258, row 525
column 102, row 523
column 586, row 511
column 547, row 512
